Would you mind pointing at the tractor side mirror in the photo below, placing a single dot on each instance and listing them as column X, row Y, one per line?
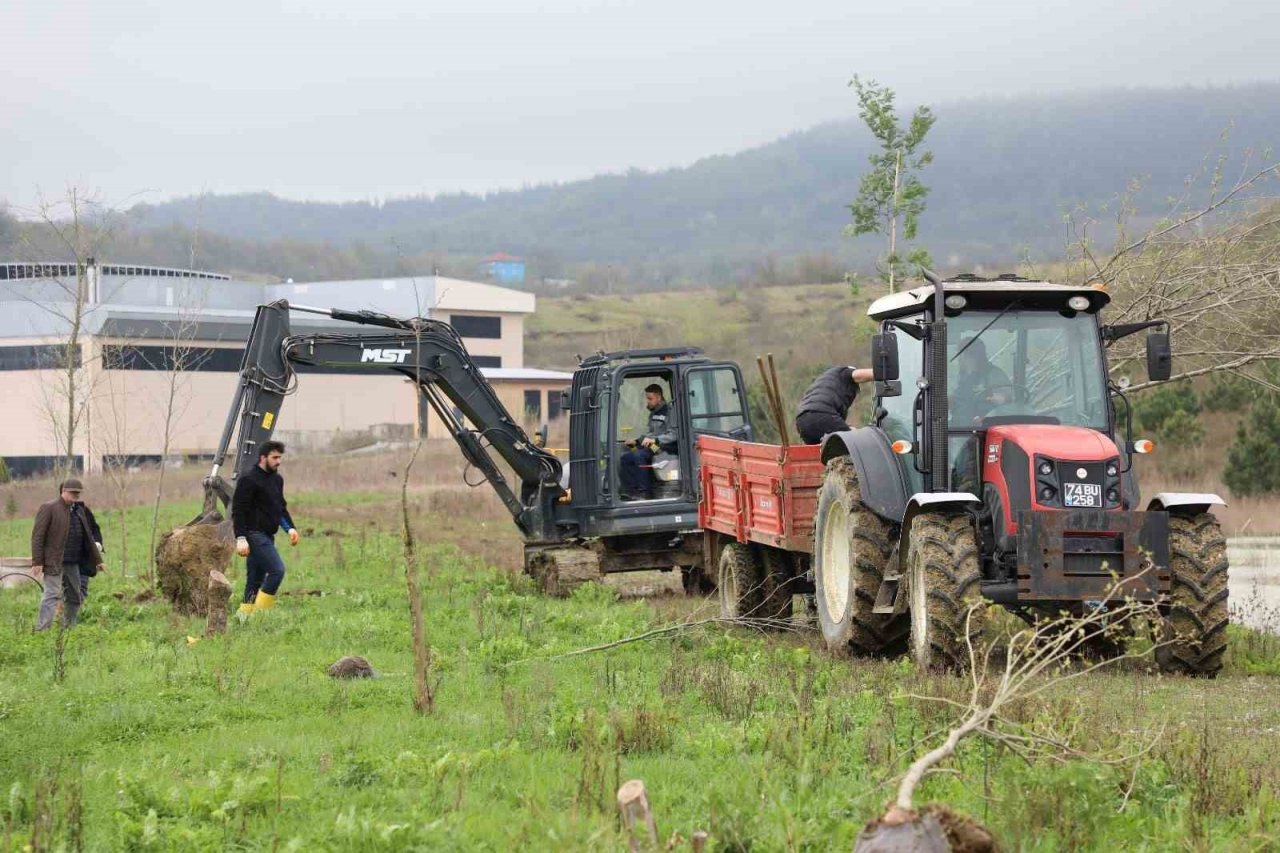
column 884, row 357
column 565, row 397
column 1159, row 357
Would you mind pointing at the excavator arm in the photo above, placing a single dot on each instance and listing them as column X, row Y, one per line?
column 429, row 353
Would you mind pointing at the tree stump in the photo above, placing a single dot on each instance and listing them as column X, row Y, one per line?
column 633, row 803
column 219, row 595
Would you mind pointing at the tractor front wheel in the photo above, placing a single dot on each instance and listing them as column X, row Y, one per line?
column 1194, row 637
column 944, row 578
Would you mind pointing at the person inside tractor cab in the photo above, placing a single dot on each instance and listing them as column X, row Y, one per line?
column 661, row 439
column 976, row 386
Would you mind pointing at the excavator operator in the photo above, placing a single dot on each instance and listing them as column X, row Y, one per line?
column 662, row 437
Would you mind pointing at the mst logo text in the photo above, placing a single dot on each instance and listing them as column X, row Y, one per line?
column 383, row 356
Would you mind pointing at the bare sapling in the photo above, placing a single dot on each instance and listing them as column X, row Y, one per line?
column 424, row 690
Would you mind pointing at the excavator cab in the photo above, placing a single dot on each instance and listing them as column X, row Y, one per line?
column 608, row 416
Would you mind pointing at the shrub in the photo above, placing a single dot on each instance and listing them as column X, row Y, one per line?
column 1228, row 394
column 1253, row 463
column 1153, row 411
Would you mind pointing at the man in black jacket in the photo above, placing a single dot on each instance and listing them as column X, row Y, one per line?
column 824, row 409
column 258, row 510
column 636, row 473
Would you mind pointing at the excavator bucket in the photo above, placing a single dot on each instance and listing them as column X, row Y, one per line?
column 215, row 490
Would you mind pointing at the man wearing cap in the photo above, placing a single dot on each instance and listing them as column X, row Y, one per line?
column 61, row 541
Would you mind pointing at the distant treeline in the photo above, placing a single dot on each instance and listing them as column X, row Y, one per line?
column 1006, row 173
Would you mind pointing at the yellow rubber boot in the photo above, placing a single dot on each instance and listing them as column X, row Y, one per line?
column 264, row 601
column 246, row 608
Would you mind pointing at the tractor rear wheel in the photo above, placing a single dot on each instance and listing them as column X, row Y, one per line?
column 1194, row 638
column 944, row 579
column 852, row 546
column 741, row 581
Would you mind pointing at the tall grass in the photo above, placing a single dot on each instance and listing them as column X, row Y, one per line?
column 242, row 741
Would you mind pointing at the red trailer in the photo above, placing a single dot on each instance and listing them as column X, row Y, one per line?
column 757, row 513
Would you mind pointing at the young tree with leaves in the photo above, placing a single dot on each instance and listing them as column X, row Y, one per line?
column 892, row 190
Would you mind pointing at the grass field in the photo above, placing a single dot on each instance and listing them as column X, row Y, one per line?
column 127, row 736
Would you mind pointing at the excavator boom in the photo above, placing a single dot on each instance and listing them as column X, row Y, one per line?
column 428, row 352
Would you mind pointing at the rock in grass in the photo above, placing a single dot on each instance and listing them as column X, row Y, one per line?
column 352, row 666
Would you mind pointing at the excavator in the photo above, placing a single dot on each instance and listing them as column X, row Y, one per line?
column 576, row 521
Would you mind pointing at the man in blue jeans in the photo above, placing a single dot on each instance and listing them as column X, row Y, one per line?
column 258, row 510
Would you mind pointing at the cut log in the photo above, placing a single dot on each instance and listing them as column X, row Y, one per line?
column 219, row 596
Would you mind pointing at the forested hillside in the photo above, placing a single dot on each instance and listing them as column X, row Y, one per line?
column 1006, row 171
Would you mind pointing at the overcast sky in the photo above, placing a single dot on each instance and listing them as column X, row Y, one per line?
column 362, row 99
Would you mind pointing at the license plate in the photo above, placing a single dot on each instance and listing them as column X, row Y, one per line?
column 1082, row 494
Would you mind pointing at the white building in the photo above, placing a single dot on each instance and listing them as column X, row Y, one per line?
column 132, row 317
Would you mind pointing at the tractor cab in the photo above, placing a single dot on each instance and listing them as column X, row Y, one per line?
column 1017, row 354
column 634, row 419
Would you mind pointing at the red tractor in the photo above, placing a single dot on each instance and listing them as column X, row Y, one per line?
column 997, row 467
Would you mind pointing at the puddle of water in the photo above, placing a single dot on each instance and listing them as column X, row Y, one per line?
column 1255, row 582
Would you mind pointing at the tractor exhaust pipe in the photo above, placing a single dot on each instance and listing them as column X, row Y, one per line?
column 937, row 477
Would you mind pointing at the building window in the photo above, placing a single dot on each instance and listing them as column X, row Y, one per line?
column 40, row 357
column 470, row 326
column 36, row 466
column 487, row 360
column 553, row 405
column 533, row 405
column 196, row 359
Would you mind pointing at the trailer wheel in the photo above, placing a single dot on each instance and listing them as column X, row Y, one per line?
column 944, row 575
column 779, row 583
column 852, row 546
column 741, row 582
column 1195, row 629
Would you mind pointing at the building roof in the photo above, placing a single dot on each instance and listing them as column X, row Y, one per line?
column 500, row 256
column 37, row 307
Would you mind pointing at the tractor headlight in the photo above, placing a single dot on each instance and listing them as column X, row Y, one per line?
column 1046, row 468
column 955, row 302
column 1113, row 470
column 1047, row 493
column 1078, row 303
column 1113, row 496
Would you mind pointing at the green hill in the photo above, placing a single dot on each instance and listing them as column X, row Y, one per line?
column 1006, row 172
